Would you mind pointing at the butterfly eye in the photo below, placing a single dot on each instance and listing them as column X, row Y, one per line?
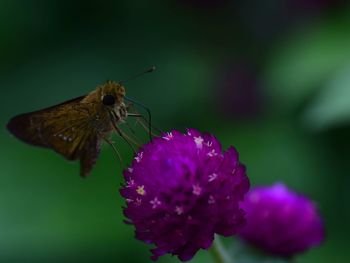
column 108, row 100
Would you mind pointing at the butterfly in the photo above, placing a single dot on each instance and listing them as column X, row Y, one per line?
column 75, row 128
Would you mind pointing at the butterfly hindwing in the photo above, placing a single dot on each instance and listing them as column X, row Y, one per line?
column 89, row 155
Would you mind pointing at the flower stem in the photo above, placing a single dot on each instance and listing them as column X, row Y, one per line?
column 219, row 252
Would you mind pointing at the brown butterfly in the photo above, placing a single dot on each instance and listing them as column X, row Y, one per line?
column 76, row 127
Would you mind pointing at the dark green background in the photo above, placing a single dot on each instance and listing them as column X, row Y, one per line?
column 270, row 77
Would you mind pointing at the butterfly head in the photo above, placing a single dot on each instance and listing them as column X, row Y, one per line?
column 112, row 93
column 111, row 96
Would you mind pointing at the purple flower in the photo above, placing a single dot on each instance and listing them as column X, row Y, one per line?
column 181, row 190
column 281, row 221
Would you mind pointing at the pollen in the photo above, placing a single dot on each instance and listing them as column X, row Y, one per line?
column 168, row 136
column 141, row 190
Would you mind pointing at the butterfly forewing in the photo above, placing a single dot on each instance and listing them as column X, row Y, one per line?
column 66, row 128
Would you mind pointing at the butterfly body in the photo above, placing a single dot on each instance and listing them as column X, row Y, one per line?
column 76, row 127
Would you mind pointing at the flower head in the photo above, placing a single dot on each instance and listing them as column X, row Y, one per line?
column 281, row 221
column 181, row 190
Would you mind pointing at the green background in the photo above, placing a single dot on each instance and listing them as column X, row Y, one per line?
column 270, row 77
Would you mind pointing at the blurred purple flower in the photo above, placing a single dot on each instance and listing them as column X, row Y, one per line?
column 181, row 190
column 238, row 91
column 281, row 221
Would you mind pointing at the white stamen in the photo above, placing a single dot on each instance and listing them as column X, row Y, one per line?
column 155, row 202
column 197, row 190
column 168, row 136
column 199, row 142
column 139, row 156
column 130, row 183
column 212, row 153
column 211, row 200
column 212, row 177
column 179, row 210
column 138, row 201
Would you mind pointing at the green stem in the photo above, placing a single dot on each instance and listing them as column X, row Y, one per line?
column 219, row 252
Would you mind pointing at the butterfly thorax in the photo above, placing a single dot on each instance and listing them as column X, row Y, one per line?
column 106, row 106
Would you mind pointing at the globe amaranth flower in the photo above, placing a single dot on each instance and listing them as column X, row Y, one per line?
column 281, row 221
column 181, row 190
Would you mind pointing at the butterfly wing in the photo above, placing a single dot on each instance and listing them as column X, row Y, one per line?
column 66, row 128
column 89, row 155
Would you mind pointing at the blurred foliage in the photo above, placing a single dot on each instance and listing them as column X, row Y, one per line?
column 295, row 56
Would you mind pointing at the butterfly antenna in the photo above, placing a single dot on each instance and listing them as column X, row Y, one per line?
column 151, row 69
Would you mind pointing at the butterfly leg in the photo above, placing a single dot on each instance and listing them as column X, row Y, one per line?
column 145, row 124
column 126, row 138
column 132, row 112
column 113, row 147
column 132, row 131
